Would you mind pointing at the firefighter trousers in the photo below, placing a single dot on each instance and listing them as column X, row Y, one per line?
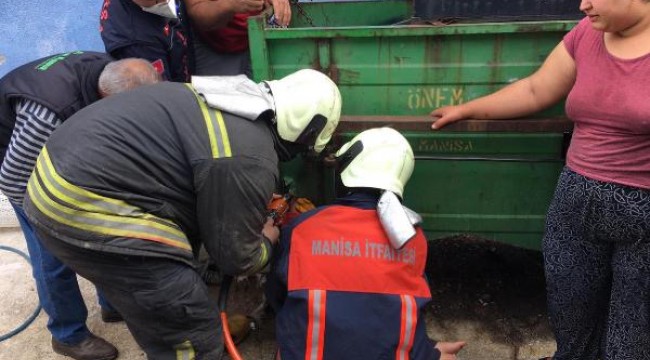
column 164, row 302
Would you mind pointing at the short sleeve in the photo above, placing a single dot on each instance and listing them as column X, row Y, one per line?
column 572, row 38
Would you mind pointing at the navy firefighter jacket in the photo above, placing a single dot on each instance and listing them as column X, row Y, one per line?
column 341, row 291
column 155, row 172
column 128, row 31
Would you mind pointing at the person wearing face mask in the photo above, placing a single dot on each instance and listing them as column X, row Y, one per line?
column 132, row 187
column 597, row 241
column 154, row 30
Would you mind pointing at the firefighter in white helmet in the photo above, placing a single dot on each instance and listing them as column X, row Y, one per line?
column 348, row 282
column 128, row 191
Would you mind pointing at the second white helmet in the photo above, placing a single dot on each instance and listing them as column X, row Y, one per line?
column 307, row 107
column 378, row 158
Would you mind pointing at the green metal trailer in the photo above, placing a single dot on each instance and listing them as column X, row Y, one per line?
column 490, row 178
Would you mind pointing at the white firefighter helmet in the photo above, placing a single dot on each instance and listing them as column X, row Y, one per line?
column 378, row 158
column 307, row 107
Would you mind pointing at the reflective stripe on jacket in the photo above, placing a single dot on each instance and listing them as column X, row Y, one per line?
column 156, row 172
column 349, row 294
column 82, row 209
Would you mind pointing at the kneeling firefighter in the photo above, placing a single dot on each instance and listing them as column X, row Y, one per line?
column 128, row 189
column 348, row 279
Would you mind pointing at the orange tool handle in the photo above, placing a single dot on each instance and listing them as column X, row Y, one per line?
column 278, row 208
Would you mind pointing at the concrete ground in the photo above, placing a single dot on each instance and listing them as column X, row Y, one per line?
column 483, row 297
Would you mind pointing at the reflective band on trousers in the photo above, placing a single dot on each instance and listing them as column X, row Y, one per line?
column 74, row 206
column 219, row 141
column 185, row 351
column 407, row 328
column 316, row 308
column 316, row 325
column 264, row 258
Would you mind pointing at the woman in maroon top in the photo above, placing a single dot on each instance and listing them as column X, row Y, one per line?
column 597, row 241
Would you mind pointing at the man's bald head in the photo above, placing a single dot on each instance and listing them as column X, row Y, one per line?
column 126, row 74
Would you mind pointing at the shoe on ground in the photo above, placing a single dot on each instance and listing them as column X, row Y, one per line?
column 109, row 316
column 91, row 348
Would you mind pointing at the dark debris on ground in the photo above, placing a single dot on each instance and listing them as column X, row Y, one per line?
column 498, row 286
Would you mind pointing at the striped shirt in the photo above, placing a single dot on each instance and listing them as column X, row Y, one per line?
column 34, row 125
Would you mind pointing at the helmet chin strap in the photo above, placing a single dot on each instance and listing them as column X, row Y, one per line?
column 286, row 150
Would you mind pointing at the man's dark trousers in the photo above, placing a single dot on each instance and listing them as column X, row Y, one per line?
column 164, row 302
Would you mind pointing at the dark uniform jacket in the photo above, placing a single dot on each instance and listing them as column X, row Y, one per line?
column 155, row 172
column 128, row 31
column 341, row 291
column 63, row 83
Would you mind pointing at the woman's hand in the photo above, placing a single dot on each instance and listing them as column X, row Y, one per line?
column 447, row 115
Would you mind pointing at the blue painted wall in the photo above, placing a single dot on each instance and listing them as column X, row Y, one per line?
column 30, row 29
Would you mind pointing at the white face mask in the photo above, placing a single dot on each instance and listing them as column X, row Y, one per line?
column 166, row 9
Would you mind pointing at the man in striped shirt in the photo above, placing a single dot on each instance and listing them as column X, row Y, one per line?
column 34, row 100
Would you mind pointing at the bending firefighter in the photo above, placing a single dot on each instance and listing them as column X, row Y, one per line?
column 35, row 99
column 348, row 280
column 128, row 191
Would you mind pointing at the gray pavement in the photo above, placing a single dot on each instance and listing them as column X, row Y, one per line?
column 492, row 332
